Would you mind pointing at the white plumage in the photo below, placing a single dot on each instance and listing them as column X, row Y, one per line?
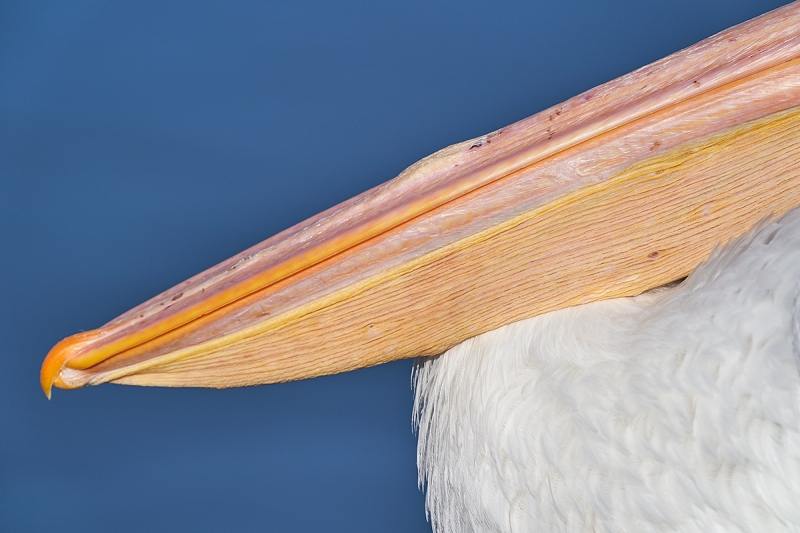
column 677, row 410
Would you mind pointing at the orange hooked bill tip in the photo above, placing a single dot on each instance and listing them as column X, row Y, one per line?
column 58, row 357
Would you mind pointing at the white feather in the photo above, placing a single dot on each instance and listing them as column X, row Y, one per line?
column 677, row 410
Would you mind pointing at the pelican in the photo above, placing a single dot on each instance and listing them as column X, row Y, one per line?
column 581, row 386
